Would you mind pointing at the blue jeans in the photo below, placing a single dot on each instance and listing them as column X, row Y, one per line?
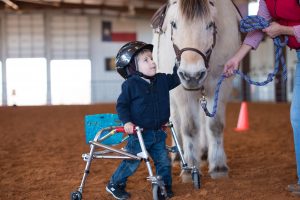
column 155, row 142
column 295, row 114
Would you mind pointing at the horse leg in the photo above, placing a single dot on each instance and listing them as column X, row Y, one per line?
column 203, row 140
column 191, row 148
column 216, row 154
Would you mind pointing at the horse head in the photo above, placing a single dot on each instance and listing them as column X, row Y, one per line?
column 193, row 34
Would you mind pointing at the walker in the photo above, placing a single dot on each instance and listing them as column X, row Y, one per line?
column 105, row 131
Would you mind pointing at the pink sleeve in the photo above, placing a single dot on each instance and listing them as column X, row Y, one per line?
column 297, row 32
column 254, row 38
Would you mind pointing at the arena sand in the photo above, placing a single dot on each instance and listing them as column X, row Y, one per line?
column 41, row 147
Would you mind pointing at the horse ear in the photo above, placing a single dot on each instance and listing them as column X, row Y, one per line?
column 171, row 13
column 158, row 19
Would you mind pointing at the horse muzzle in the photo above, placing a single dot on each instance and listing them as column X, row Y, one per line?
column 192, row 81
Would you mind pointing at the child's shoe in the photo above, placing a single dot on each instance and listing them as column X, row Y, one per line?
column 117, row 191
column 170, row 193
column 122, row 186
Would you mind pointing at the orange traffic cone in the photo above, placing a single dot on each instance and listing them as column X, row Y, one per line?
column 243, row 123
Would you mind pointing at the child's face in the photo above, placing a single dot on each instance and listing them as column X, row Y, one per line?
column 146, row 65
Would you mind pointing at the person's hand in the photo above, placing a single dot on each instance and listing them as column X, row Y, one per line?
column 230, row 66
column 273, row 30
column 129, row 128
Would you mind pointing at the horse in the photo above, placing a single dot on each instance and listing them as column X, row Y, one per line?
column 199, row 36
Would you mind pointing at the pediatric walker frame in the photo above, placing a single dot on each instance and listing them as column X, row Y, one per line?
column 158, row 188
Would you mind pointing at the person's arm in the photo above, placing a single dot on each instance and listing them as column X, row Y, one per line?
column 123, row 109
column 254, row 38
column 234, row 62
column 276, row 29
column 173, row 79
column 123, row 104
column 297, row 32
column 251, row 41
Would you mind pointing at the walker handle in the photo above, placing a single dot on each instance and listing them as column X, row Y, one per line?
column 120, row 129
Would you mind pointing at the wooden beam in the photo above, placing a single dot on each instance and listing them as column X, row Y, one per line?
column 27, row 5
column 11, row 4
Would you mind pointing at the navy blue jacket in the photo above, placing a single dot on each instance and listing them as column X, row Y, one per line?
column 147, row 105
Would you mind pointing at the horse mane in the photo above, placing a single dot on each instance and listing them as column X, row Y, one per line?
column 192, row 9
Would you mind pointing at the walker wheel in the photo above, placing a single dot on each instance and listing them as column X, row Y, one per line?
column 157, row 192
column 196, row 179
column 76, row 195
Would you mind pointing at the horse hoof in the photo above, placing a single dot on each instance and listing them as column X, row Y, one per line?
column 219, row 172
column 186, row 177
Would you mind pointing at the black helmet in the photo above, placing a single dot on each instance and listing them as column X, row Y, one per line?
column 125, row 57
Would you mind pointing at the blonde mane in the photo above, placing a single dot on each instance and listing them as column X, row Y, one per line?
column 191, row 9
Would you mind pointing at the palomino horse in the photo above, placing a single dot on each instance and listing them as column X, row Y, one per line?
column 200, row 35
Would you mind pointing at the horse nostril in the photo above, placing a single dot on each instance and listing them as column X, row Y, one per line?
column 200, row 75
column 184, row 76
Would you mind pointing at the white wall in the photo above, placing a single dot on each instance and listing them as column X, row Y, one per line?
column 106, row 85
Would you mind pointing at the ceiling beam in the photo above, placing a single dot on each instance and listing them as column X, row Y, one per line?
column 11, row 4
column 28, row 5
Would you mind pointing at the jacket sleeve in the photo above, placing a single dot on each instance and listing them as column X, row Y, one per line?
column 123, row 104
column 254, row 38
column 297, row 32
column 173, row 79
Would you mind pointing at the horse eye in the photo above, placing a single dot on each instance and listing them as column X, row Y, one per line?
column 210, row 25
column 211, row 3
column 173, row 24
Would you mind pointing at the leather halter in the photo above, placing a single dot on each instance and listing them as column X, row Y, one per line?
column 206, row 57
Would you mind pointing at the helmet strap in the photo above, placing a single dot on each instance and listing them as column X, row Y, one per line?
column 145, row 76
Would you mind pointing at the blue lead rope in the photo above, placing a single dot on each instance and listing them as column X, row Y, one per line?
column 248, row 24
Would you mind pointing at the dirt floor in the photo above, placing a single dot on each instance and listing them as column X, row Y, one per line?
column 41, row 147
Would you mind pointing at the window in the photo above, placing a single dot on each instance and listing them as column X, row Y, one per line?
column 26, row 81
column 70, row 82
column 253, row 8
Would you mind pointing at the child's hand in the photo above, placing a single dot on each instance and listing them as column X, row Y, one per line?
column 129, row 128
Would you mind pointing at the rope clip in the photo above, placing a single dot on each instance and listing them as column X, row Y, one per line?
column 203, row 101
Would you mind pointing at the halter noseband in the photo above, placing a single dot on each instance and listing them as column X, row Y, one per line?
column 206, row 57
